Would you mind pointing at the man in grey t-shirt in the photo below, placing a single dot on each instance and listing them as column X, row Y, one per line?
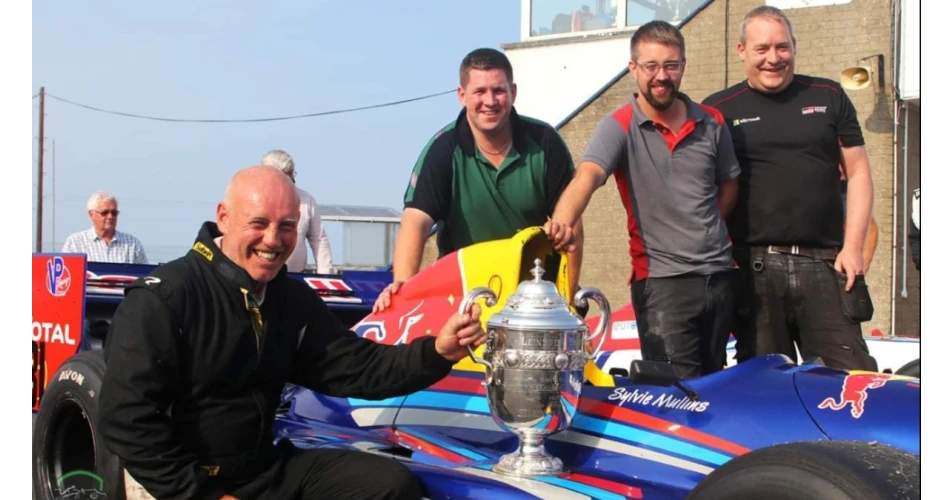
column 676, row 171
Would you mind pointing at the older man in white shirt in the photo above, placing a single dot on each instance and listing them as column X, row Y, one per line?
column 309, row 227
column 103, row 242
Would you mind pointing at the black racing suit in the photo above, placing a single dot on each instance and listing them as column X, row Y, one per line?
column 190, row 389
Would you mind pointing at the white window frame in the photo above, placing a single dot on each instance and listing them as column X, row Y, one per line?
column 803, row 4
column 526, row 24
column 621, row 15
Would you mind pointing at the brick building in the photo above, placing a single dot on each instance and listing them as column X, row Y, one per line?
column 571, row 70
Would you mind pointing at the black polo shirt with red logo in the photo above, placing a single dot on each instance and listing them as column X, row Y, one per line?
column 788, row 145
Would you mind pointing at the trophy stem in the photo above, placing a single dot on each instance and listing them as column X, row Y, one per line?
column 532, row 445
column 530, row 459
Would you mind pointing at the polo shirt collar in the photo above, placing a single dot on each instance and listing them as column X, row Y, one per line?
column 96, row 237
column 467, row 143
column 694, row 110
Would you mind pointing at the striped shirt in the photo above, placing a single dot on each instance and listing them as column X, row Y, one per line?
column 123, row 249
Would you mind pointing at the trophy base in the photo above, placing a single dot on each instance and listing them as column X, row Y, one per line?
column 522, row 465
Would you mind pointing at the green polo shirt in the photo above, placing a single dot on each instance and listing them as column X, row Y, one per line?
column 455, row 184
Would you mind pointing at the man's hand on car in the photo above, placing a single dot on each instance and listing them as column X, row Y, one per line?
column 383, row 300
column 561, row 235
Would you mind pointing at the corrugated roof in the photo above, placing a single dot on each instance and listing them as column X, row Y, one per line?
column 360, row 213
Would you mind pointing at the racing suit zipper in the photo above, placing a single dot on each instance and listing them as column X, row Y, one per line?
column 257, row 322
column 257, row 325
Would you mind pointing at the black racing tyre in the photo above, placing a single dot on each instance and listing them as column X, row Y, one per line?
column 817, row 470
column 70, row 459
column 910, row 369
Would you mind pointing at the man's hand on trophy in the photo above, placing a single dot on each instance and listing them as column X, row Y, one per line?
column 459, row 332
column 561, row 235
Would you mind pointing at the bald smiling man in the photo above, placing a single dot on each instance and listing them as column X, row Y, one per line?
column 200, row 350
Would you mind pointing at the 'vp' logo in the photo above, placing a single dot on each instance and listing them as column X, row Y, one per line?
column 57, row 277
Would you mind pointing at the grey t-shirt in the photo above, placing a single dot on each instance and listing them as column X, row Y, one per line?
column 668, row 182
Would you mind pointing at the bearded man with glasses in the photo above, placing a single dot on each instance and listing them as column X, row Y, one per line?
column 676, row 172
column 103, row 242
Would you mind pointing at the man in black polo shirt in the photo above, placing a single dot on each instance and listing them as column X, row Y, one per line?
column 486, row 175
column 791, row 132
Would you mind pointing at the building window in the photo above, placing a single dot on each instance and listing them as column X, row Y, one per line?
column 672, row 11
column 543, row 19
column 554, row 17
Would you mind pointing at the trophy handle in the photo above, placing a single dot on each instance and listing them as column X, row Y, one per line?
column 472, row 296
column 599, row 298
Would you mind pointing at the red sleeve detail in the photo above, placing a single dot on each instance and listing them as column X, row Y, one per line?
column 623, row 116
column 714, row 112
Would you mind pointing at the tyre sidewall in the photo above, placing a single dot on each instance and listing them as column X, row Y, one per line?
column 774, row 482
column 826, row 469
column 65, row 392
column 911, row 369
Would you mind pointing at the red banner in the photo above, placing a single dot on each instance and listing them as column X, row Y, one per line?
column 58, row 299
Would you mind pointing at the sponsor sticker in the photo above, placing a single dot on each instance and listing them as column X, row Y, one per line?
column 637, row 397
column 854, row 392
column 625, row 330
column 57, row 315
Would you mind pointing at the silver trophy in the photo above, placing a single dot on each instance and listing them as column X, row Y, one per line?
column 535, row 358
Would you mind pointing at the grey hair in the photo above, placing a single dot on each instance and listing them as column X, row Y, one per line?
column 768, row 12
column 280, row 160
column 97, row 198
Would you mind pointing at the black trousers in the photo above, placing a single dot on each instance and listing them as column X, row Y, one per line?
column 328, row 474
column 788, row 302
column 685, row 320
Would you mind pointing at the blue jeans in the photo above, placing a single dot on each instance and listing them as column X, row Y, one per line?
column 685, row 320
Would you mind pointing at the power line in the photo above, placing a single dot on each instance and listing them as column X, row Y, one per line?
column 245, row 120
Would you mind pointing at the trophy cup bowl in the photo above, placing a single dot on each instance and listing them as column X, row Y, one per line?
column 535, row 358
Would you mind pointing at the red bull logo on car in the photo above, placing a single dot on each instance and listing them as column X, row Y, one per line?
column 855, row 391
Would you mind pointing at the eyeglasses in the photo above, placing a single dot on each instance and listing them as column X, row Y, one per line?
column 107, row 212
column 670, row 67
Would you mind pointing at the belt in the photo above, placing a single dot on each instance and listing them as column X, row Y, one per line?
column 817, row 253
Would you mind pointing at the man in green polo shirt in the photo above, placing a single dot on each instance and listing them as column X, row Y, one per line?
column 485, row 176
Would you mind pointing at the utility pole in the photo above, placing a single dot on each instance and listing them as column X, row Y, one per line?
column 53, row 199
column 39, row 182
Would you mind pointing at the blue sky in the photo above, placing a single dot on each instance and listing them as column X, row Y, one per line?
column 242, row 59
